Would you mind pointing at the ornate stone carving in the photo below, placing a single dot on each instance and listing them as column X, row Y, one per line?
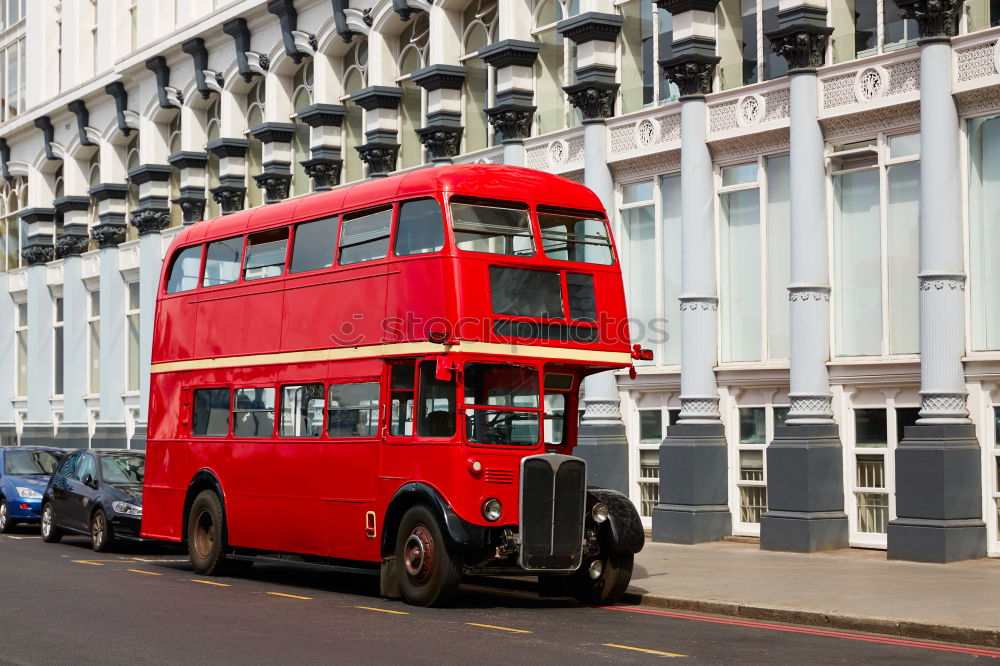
column 817, row 293
column 556, row 153
column 595, row 101
column 513, row 122
column 601, row 409
column 869, row 84
column 441, row 141
column 802, row 46
column 810, row 406
column 749, row 110
column 38, row 254
column 380, row 157
column 108, row 235
column 699, row 303
column 692, row 76
column 192, row 209
column 647, row 165
column 150, row 220
column 935, row 18
column 230, row 199
column 645, row 132
column 941, row 282
column 934, row 404
column 324, row 173
column 70, row 245
column 699, row 408
column 275, row 185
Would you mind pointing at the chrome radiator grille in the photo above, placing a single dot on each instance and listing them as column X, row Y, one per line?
column 553, row 489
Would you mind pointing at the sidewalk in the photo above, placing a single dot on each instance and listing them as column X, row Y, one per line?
column 845, row 589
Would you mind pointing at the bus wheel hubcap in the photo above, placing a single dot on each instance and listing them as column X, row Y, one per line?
column 204, row 534
column 418, row 554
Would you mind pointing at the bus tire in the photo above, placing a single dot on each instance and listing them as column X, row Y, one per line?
column 50, row 533
column 428, row 574
column 206, row 525
column 610, row 586
column 102, row 535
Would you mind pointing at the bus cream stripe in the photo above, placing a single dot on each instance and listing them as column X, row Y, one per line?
column 400, row 349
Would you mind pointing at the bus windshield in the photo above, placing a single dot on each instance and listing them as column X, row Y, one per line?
column 496, row 228
column 575, row 237
column 502, row 404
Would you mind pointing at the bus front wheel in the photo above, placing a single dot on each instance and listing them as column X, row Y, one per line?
column 603, row 581
column 429, row 575
column 205, row 528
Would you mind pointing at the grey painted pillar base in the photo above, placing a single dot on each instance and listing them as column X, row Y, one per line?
column 605, row 449
column 109, row 436
column 805, row 491
column 72, row 436
column 138, row 441
column 938, row 495
column 693, row 504
column 37, row 434
column 8, row 434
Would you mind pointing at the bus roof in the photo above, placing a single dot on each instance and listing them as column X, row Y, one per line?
column 489, row 181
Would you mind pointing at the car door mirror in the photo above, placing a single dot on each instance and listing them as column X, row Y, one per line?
column 88, row 480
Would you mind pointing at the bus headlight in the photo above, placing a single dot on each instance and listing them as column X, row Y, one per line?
column 492, row 509
column 599, row 513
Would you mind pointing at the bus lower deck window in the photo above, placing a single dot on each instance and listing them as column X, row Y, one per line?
column 253, row 412
column 401, row 399
column 437, row 403
column 352, row 410
column 302, row 410
column 501, row 404
column 211, row 413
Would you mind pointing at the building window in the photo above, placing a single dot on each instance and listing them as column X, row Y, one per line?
column 174, row 146
column 743, row 46
column 302, row 97
column 755, row 430
column 94, row 338
column 133, row 22
column 554, row 66
column 132, row 161
column 13, row 61
column 255, row 148
column 355, row 78
column 412, row 56
column 982, row 14
column 754, row 259
column 984, row 231
column 21, row 333
column 13, row 231
column 480, row 22
column 650, row 438
column 213, row 131
column 876, row 187
column 647, row 39
column 58, row 347
column 132, row 323
column 94, row 28
column 862, row 28
column 996, row 465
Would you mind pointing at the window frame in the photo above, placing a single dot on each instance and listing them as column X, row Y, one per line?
column 392, row 206
column 377, row 381
column 233, row 411
column 229, row 412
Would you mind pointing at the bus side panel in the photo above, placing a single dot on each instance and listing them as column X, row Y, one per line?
column 176, row 323
column 163, row 494
column 420, row 294
column 239, row 321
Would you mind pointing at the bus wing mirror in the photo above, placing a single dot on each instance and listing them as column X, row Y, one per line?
column 445, row 369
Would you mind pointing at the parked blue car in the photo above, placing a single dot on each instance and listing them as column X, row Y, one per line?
column 24, row 474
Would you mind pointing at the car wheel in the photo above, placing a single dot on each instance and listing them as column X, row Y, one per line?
column 102, row 535
column 611, row 582
column 50, row 533
column 428, row 574
column 206, row 527
column 6, row 524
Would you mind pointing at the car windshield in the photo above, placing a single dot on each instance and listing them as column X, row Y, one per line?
column 502, row 404
column 122, row 469
column 27, row 463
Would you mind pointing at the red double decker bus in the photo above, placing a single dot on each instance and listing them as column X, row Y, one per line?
column 387, row 374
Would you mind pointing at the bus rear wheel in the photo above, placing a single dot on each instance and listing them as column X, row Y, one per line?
column 603, row 581
column 206, row 525
column 429, row 576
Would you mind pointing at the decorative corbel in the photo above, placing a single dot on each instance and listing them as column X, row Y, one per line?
column 207, row 81
column 117, row 90
column 44, row 123
column 340, row 20
column 401, row 8
column 79, row 108
column 170, row 97
column 4, row 159
column 249, row 63
column 298, row 44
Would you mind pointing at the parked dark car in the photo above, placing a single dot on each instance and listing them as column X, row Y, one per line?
column 97, row 492
column 24, row 473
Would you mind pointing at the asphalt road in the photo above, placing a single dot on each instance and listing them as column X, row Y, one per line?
column 63, row 603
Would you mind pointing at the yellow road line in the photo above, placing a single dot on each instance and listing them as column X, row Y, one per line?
column 290, row 596
column 493, row 626
column 96, row 564
column 147, row 573
column 647, row 651
column 210, row 582
column 382, row 610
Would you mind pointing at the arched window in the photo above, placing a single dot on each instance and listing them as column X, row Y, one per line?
column 13, row 232
column 58, row 191
column 93, row 178
column 355, row 78
column 302, row 97
column 479, row 24
column 132, row 198
column 174, row 146
column 412, row 56
column 255, row 149
column 213, row 130
column 554, row 65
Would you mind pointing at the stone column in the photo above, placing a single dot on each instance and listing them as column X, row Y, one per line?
column 805, row 489
column 514, row 109
column 8, row 428
column 192, row 167
column 73, row 431
column 938, row 463
column 276, row 177
column 325, row 161
column 381, row 148
column 39, row 250
column 442, row 137
column 693, row 463
column 109, row 233
column 231, row 192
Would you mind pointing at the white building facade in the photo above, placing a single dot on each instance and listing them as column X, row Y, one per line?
column 805, row 197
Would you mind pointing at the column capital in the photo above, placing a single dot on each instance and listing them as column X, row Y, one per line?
column 108, row 234
column 275, row 180
column 692, row 73
column 441, row 141
column 192, row 202
column 72, row 244
column 38, row 253
column 595, row 99
column 379, row 157
column 325, row 172
column 802, row 45
column 229, row 194
column 935, row 18
column 513, row 121
column 150, row 220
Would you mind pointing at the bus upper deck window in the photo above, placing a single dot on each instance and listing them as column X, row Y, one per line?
column 575, row 237
column 497, row 229
column 314, row 245
column 365, row 236
column 184, row 271
column 222, row 264
column 420, row 229
column 265, row 254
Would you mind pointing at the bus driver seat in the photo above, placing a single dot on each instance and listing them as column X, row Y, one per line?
column 440, row 424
